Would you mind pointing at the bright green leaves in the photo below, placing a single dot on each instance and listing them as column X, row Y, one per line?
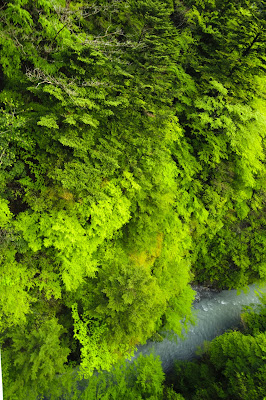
column 130, row 294
column 66, row 237
column 129, row 151
column 19, row 16
column 48, row 121
column 223, row 130
column 5, row 214
column 96, row 352
column 73, row 245
column 37, row 355
column 110, row 214
column 15, row 278
column 88, row 120
column 46, row 342
column 9, row 59
column 127, row 297
column 149, row 376
column 15, row 282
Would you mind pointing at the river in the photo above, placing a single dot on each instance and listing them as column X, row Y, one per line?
column 214, row 313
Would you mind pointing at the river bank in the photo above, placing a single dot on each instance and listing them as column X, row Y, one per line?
column 215, row 312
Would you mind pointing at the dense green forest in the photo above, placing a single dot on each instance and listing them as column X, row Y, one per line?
column 132, row 154
column 231, row 367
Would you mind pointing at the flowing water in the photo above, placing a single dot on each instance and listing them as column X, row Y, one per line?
column 215, row 313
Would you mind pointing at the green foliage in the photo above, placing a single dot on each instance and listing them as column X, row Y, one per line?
column 242, row 360
column 15, row 283
column 127, row 303
column 233, row 365
column 142, row 379
column 254, row 318
column 5, row 214
column 34, row 358
column 132, row 161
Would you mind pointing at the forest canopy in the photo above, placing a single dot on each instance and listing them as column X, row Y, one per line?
column 132, row 154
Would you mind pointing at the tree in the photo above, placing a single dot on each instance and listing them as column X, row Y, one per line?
column 33, row 360
column 231, row 366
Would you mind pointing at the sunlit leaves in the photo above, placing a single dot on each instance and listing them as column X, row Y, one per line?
column 131, row 151
column 15, row 282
